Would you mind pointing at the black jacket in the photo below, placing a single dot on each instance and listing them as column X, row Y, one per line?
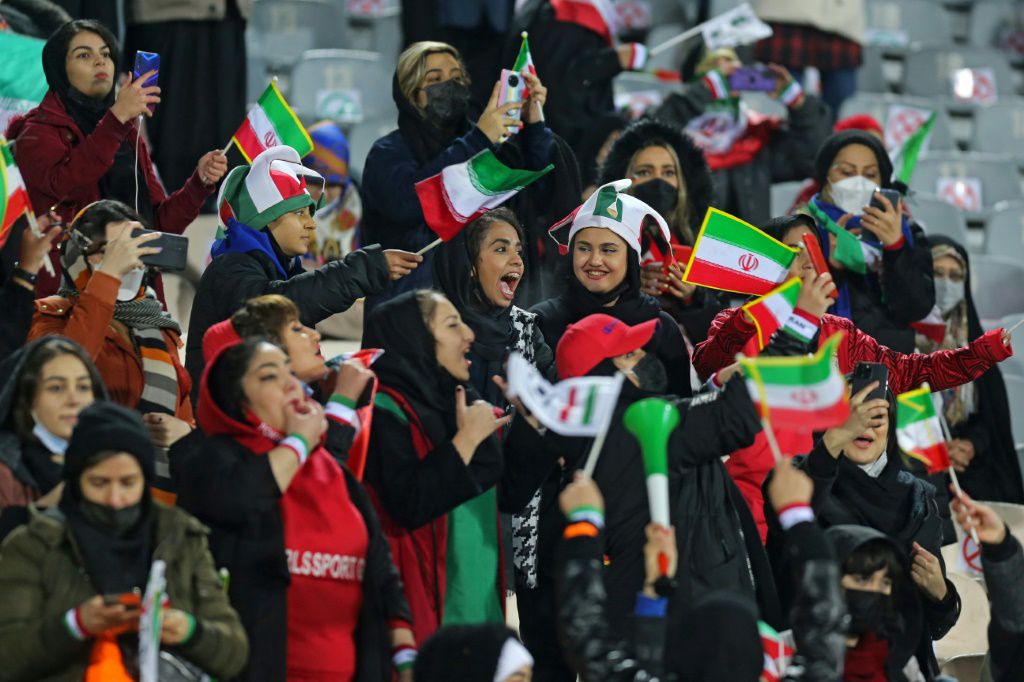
column 745, row 190
column 233, row 278
column 234, row 493
column 819, row 620
column 17, row 305
column 1004, row 565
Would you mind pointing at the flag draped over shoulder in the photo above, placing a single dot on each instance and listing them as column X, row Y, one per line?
column 733, row 255
column 918, row 430
column 463, row 192
column 581, row 406
column 799, row 393
column 271, row 123
column 13, row 193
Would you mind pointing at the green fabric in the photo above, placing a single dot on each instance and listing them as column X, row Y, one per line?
column 388, row 404
column 471, row 593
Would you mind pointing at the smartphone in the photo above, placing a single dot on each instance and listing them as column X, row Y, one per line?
column 892, row 195
column 867, row 372
column 145, row 62
column 753, row 79
column 174, row 255
column 817, row 257
column 513, row 89
column 131, row 600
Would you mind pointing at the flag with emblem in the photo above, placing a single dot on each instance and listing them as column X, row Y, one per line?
column 802, row 393
column 13, row 193
column 733, row 255
column 271, row 123
column 770, row 312
column 581, row 406
column 918, row 430
column 463, row 192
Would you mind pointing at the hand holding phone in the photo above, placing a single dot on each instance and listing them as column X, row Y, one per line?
column 173, row 255
column 144, row 63
column 130, row 600
column 867, row 372
column 752, row 79
column 817, row 258
column 891, row 194
column 513, row 89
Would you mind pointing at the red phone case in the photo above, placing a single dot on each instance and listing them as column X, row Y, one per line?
column 817, row 258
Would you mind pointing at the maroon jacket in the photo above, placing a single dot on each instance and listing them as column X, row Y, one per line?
column 59, row 163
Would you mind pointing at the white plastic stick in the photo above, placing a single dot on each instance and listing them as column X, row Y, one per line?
column 437, row 242
column 672, row 42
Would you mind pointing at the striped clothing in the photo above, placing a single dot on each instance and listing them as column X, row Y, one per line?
column 159, row 394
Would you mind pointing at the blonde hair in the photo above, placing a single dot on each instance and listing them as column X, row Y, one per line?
column 679, row 219
column 412, row 65
column 711, row 56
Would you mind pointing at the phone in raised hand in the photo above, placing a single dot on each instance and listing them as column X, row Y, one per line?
column 513, row 89
column 817, row 257
column 145, row 62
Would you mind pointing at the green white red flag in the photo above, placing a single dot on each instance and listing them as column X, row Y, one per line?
column 850, row 251
column 524, row 61
column 597, row 16
column 932, row 326
column 270, row 123
column 918, row 430
column 777, row 653
column 803, row 393
column 733, row 255
column 581, row 406
column 463, row 192
column 14, row 201
column 770, row 312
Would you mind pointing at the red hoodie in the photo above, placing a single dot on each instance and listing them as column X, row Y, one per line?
column 325, row 539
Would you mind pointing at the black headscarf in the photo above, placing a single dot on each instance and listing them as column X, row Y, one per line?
column 424, row 138
column 115, row 561
column 719, row 640
column 831, row 147
column 119, row 182
column 995, row 473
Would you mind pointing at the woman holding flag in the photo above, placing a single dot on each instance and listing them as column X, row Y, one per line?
column 82, row 144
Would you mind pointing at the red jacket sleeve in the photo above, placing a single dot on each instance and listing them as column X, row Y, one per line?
column 729, row 332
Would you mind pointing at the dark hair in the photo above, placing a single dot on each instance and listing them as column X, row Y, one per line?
column 477, row 230
column 778, row 227
column 427, row 299
column 225, row 381
column 56, row 48
column 29, row 381
column 92, row 220
column 871, row 556
column 265, row 316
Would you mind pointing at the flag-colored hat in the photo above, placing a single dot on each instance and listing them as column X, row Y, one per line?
column 275, row 184
column 611, row 208
column 595, row 338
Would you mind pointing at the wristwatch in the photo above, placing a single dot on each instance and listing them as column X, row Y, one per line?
column 25, row 275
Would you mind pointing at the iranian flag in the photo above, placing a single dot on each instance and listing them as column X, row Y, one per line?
column 851, row 252
column 932, row 326
column 22, row 83
column 594, row 15
column 733, row 255
column 918, row 430
column 777, row 653
column 799, row 393
column 464, row 191
column 770, row 312
column 524, row 61
column 581, row 406
column 360, row 418
column 911, row 149
column 13, row 194
column 270, row 123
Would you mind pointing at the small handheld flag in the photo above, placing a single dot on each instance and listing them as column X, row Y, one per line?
column 772, row 311
column 364, row 415
column 918, row 430
column 151, row 623
column 911, row 149
column 270, row 123
column 14, row 201
column 851, row 252
column 733, row 255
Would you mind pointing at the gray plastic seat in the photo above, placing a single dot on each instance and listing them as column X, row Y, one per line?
column 1015, row 396
column 324, row 73
column 898, row 24
column 1000, row 129
column 671, row 58
column 1004, row 232
column 380, row 32
column 361, row 138
column 782, row 196
column 871, row 75
column 928, row 71
column 282, row 30
column 997, row 174
column 996, row 285
column 987, row 19
column 878, row 106
column 938, row 217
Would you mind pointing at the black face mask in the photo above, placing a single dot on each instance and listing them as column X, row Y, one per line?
column 102, row 516
column 867, row 611
column 446, row 103
column 650, row 372
column 658, row 194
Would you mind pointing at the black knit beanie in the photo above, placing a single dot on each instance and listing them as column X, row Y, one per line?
column 106, row 426
column 832, row 145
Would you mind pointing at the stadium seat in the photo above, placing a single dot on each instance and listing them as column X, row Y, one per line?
column 938, row 217
column 282, row 30
column 1015, row 394
column 928, row 72
column 379, row 31
column 672, row 58
column 871, row 75
column 895, row 25
column 321, row 73
column 970, row 634
column 783, row 194
column 1012, row 514
column 361, row 138
column 1000, row 129
column 878, row 106
column 996, row 285
column 256, row 77
column 1004, row 231
column 964, row 667
column 997, row 176
column 988, row 17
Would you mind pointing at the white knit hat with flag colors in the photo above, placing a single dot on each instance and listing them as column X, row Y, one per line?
column 800, row 393
column 771, row 312
column 269, row 124
column 581, row 406
column 611, row 208
column 918, row 430
column 463, row 192
column 733, row 255
column 14, row 201
column 275, row 184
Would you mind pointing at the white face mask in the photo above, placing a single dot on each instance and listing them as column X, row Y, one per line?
column 130, row 284
column 853, row 194
column 948, row 294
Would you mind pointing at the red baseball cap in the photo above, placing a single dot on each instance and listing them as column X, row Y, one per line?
column 595, row 338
